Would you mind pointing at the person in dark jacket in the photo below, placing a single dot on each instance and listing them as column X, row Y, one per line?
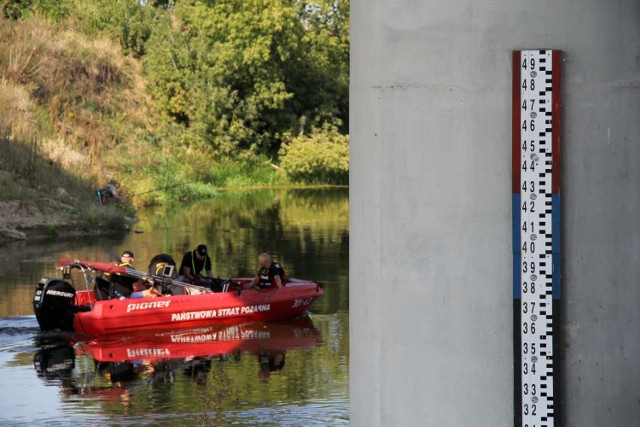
column 270, row 275
column 123, row 286
column 195, row 264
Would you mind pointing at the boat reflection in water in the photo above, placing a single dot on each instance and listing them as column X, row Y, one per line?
column 123, row 363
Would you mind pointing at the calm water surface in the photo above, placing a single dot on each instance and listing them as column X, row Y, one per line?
column 280, row 374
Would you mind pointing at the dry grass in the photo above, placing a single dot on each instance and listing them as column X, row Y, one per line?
column 74, row 99
column 68, row 104
column 17, row 117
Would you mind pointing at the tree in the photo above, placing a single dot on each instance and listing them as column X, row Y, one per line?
column 230, row 78
column 244, row 74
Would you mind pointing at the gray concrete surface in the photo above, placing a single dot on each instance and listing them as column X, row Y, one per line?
column 430, row 258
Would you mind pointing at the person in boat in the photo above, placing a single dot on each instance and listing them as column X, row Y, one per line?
column 127, row 259
column 158, row 266
column 151, row 292
column 110, row 286
column 194, row 264
column 120, row 286
column 270, row 275
column 136, row 286
column 163, row 265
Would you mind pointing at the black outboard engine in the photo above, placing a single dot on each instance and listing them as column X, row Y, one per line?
column 53, row 304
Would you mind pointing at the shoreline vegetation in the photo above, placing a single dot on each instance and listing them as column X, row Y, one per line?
column 176, row 99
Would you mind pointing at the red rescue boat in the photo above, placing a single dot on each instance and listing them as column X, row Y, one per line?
column 58, row 305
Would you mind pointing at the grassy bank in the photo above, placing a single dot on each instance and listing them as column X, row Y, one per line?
column 38, row 198
column 60, row 93
column 160, row 185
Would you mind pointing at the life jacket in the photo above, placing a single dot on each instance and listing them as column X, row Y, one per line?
column 121, row 286
column 265, row 279
column 194, row 271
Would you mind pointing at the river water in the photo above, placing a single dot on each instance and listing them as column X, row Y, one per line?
column 291, row 373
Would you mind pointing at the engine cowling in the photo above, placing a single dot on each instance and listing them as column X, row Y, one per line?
column 53, row 304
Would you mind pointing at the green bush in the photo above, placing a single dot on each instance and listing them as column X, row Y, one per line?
column 244, row 173
column 319, row 158
column 192, row 191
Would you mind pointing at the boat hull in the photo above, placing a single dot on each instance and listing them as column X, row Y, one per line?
column 193, row 311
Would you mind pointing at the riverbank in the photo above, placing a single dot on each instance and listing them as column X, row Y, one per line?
column 30, row 220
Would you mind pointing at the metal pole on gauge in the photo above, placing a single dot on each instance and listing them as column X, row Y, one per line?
column 536, row 236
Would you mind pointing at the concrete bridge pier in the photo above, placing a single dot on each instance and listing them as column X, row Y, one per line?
column 430, row 202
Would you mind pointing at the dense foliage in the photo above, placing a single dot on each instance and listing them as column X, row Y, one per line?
column 209, row 83
column 320, row 157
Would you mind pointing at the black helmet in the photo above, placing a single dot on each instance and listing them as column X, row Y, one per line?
column 159, row 261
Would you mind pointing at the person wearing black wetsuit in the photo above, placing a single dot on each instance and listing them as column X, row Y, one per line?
column 195, row 263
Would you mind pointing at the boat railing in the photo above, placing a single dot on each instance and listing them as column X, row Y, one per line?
column 88, row 275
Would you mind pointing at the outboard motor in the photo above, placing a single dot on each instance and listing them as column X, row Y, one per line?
column 53, row 304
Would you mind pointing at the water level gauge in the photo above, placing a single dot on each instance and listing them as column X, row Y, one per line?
column 536, row 235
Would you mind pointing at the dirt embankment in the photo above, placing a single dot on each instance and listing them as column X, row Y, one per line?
column 28, row 220
column 20, row 220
